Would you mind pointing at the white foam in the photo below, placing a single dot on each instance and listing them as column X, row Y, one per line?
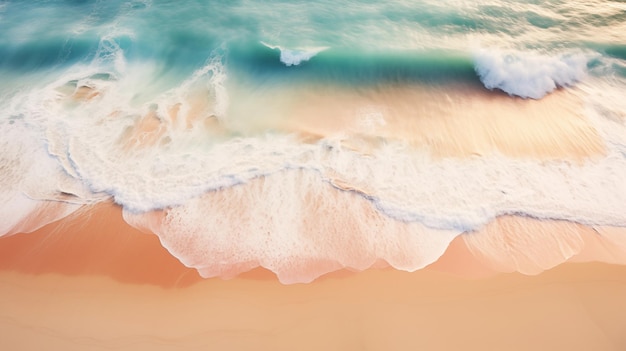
column 408, row 185
column 529, row 74
column 212, row 77
column 109, row 51
column 28, row 175
column 294, row 57
column 405, row 183
column 402, row 207
column 294, row 225
column 40, row 184
column 86, row 136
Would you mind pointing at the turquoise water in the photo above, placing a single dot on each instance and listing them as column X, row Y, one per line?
column 390, row 40
column 231, row 87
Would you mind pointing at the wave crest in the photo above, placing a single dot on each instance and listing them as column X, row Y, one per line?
column 294, row 57
column 529, row 75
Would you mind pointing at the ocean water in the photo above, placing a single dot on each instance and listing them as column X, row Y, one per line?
column 306, row 137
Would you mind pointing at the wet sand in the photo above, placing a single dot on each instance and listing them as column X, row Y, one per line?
column 91, row 282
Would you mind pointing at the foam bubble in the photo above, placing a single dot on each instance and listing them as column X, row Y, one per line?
column 528, row 74
column 294, row 57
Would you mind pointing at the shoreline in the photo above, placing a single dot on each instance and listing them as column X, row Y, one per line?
column 91, row 281
column 97, row 241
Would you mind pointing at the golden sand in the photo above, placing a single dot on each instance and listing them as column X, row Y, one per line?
column 574, row 307
column 91, row 282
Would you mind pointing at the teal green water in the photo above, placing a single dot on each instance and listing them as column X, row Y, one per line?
column 178, row 38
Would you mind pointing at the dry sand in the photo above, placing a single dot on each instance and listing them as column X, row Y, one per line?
column 91, row 282
column 574, row 307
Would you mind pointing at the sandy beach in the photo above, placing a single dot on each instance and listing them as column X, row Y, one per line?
column 574, row 307
column 91, row 282
column 281, row 175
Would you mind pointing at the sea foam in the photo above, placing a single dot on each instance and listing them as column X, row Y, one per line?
column 294, row 57
column 528, row 74
column 33, row 187
column 294, row 225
